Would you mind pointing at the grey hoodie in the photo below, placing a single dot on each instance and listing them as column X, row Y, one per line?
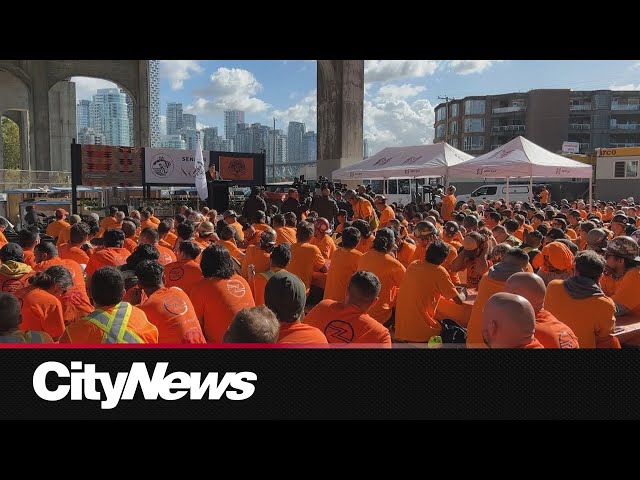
column 579, row 287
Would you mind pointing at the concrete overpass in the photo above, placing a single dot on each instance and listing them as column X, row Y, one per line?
column 33, row 93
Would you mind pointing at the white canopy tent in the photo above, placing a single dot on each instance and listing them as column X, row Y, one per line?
column 405, row 162
column 523, row 158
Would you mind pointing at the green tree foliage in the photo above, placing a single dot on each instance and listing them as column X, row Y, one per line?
column 10, row 144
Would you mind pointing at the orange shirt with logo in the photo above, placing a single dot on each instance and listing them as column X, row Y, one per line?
column 486, row 288
column 285, row 235
column 54, row 228
column 305, row 259
column 344, row 263
column 296, row 332
column 166, row 255
column 627, row 292
column 390, row 272
column 342, row 323
column 84, row 331
column 11, row 284
column 257, row 257
column 183, row 275
column 552, row 333
column 423, row 285
column 326, row 245
column 107, row 257
column 591, row 319
column 260, row 282
column 171, row 311
column 69, row 251
column 75, row 305
column 77, row 276
column 217, row 300
column 41, row 311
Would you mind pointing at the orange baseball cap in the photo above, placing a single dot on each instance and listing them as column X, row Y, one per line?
column 559, row 255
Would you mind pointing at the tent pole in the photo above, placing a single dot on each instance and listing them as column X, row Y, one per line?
column 590, row 194
column 531, row 190
column 507, row 192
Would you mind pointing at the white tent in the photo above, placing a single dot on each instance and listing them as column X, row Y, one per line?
column 522, row 158
column 404, row 162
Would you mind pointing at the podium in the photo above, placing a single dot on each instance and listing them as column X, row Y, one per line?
column 218, row 195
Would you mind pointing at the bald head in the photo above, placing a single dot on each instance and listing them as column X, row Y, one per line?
column 529, row 286
column 508, row 321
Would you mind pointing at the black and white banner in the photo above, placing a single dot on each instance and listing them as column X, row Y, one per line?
column 168, row 166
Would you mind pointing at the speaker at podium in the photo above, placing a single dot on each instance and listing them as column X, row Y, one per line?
column 218, row 195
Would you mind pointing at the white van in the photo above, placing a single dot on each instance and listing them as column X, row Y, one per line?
column 494, row 192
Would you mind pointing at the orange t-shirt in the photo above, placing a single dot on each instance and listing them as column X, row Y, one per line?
column 238, row 229
column 171, row 311
column 519, row 234
column 130, row 244
column 155, row 220
column 423, row 285
column 69, row 251
column 527, row 228
column 285, row 235
column 232, row 248
column 365, row 244
column 534, row 344
column 73, row 267
column 261, row 227
column 627, row 289
column 217, row 300
column 387, row 215
column 305, row 259
column 171, row 239
column 363, row 209
column 257, row 257
column 544, row 196
column 342, row 323
column 64, row 236
column 296, row 332
column 54, row 228
column 260, row 282
column 29, row 258
column 75, row 305
column 11, row 284
column 41, row 311
column 84, row 331
column 448, row 206
column 166, row 255
column 552, row 333
column 3, row 239
column 420, row 254
column 591, row 319
column 344, row 263
column 107, row 257
column 108, row 223
column 571, row 233
column 390, row 272
column 609, row 285
column 486, row 288
column 183, row 275
column 406, row 253
column 147, row 224
column 326, row 245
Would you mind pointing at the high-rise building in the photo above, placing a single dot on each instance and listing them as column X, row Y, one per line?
column 547, row 117
column 129, row 114
column 231, row 120
column 281, row 147
column 109, row 116
column 190, row 136
column 173, row 141
column 174, row 118
column 365, row 148
column 253, row 138
column 83, row 115
column 226, row 145
column 309, row 147
column 88, row 136
column 188, row 121
column 210, row 136
column 295, row 133
column 154, row 102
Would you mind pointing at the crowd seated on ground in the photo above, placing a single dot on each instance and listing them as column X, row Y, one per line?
column 349, row 267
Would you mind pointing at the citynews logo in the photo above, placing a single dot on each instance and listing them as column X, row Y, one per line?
column 176, row 385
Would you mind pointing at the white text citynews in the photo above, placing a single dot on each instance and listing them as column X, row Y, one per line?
column 83, row 378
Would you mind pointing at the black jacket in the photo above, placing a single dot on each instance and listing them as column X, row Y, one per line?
column 251, row 206
column 293, row 205
column 326, row 207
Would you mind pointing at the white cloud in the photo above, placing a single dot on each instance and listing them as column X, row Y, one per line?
column 163, row 124
column 304, row 111
column 201, row 126
column 635, row 66
column 628, row 86
column 466, row 67
column 398, row 92
column 383, row 70
column 177, row 71
column 228, row 89
column 86, row 87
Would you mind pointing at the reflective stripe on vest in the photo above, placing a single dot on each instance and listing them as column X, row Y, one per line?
column 115, row 325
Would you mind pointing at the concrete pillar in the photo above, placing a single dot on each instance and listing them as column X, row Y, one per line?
column 62, row 124
column 41, row 159
column 340, row 114
column 141, row 112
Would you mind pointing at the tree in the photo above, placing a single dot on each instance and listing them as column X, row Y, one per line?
column 10, row 144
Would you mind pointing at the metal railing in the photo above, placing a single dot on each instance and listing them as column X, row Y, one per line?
column 579, row 126
column 584, row 146
column 580, row 107
column 507, row 128
column 626, row 126
column 12, row 179
column 618, row 145
column 625, row 106
column 513, row 108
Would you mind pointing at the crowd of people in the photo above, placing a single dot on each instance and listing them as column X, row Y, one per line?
column 344, row 267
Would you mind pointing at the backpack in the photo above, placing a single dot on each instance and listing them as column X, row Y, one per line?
column 453, row 333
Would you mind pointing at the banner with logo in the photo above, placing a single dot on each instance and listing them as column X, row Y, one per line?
column 170, row 166
column 110, row 166
column 236, row 168
column 240, row 168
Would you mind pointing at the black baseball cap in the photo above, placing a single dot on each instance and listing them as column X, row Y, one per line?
column 619, row 219
column 285, row 295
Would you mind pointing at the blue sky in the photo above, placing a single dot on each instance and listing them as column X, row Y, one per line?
column 399, row 94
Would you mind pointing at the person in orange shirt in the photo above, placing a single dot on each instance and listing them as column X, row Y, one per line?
column 574, row 220
column 285, row 295
column 169, row 309
column 348, row 322
column 4, row 223
column 145, row 220
column 10, row 319
column 386, row 212
column 585, row 228
column 549, row 331
column 322, row 238
column 513, row 261
column 544, row 196
column 366, row 237
column 362, row 209
column 341, row 220
column 557, row 262
column 473, row 258
column 41, row 311
column 130, row 231
column 344, row 263
column 149, row 236
column 424, row 284
column 109, row 222
column 608, row 214
column 448, row 204
column 451, row 235
column 47, row 256
column 112, row 255
column 389, row 271
column 253, row 325
column 152, row 216
column 508, row 321
column 579, row 303
column 63, row 237
column 260, row 222
column 618, row 225
column 113, row 320
column 184, row 273
column 405, row 249
column 426, row 232
column 259, row 255
column 206, row 235
column 76, row 249
column 284, row 234
column 622, row 257
column 186, row 233
column 227, row 241
column 167, row 238
column 220, row 295
column 14, row 273
column 55, row 228
column 306, row 259
column 230, row 218
column 279, row 260
column 251, row 236
column 28, row 239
